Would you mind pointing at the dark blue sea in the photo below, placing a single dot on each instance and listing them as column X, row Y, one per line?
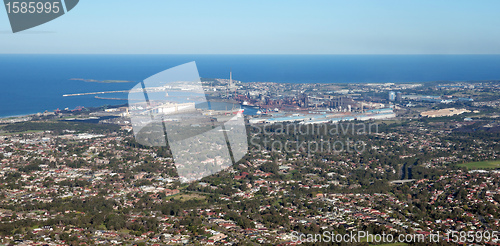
column 35, row 83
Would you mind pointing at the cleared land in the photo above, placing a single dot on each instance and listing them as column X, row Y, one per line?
column 481, row 165
column 185, row 197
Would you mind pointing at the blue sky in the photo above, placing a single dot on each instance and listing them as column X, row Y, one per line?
column 264, row 27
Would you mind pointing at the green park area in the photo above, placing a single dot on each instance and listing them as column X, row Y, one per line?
column 481, row 165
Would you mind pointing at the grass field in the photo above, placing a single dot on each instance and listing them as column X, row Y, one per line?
column 388, row 122
column 481, row 165
column 184, row 197
column 17, row 133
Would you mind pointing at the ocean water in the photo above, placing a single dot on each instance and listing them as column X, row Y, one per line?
column 35, row 83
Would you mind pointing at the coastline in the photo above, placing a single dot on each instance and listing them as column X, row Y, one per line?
column 16, row 116
column 28, row 94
